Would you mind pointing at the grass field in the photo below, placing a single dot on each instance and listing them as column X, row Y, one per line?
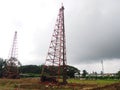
column 98, row 82
column 33, row 84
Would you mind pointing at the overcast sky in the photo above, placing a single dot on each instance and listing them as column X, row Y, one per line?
column 92, row 31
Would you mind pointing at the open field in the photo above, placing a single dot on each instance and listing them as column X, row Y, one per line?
column 73, row 84
column 97, row 82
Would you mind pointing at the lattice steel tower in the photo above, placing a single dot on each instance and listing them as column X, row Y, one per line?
column 11, row 68
column 56, row 56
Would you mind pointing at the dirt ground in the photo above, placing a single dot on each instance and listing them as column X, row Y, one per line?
column 34, row 84
column 74, row 86
column 115, row 86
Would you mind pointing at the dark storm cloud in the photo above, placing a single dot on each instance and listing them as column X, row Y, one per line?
column 93, row 30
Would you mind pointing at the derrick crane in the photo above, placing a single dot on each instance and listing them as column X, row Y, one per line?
column 56, row 58
column 11, row 69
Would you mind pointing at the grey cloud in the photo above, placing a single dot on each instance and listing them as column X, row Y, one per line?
column 94, row 31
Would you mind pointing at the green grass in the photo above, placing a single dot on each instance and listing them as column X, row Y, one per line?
column 97, row 82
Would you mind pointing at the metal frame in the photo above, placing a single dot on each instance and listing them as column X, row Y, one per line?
column 57, row 50
column 11, row 69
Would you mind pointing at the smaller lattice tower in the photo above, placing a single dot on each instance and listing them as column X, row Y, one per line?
column 11, row 69
column 55, row 62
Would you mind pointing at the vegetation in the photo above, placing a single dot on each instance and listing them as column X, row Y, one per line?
column 1, row 66
column 33, row 84
column 71, row 71
column 31, row 69
column 84, row 73
column 118, row 74
column 34, row 70
column 73, row 84
column 98, row 82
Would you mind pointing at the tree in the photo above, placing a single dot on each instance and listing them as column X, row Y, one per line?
column 34, row 69
column 118, row 74
column 71, row 71
column 1, row 66
column 30, row 69
column 84, row 73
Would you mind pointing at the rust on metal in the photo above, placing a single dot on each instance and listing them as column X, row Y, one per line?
column 56, row 56
column 11, row 68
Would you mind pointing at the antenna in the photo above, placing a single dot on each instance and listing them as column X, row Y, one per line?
column 102, row 72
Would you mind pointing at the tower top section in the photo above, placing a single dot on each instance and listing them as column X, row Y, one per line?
column 13, row 51
column 62, row 7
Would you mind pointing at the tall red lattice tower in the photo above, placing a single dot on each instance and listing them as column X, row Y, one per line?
column 14, row 49
column 56, row 56
column 11, row 68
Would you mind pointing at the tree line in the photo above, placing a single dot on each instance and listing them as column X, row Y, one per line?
column 36, row 70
